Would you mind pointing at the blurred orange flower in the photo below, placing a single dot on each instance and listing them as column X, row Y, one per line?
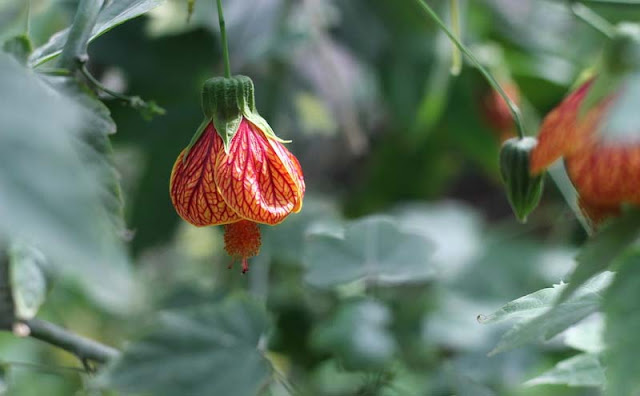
column 605, row 172
column 257, row 181
column 497, row 113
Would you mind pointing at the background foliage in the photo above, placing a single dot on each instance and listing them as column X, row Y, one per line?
column 405, row 254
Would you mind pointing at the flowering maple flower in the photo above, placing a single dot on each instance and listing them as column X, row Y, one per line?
column 497, row 113
column 604, row 172
column 254, row 179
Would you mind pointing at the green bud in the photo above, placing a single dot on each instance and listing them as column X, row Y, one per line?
column 623, row 52
column 523, row 190
column 225, row 101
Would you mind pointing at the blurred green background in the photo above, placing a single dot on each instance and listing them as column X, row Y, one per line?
column 400, row 161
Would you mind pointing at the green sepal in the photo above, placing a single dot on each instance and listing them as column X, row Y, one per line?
column 620, row 58
column 523, row 189
column 195, row 138
column 19, row 47
column 226, row 101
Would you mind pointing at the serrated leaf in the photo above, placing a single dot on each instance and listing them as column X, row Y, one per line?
column 207, row 350
column 50, row 191
column 539, row 319
column 359, row 335
column 114, row 14
column 622, row 326
column 602, row 249
column 97, row 152
column 373, row 249
column 29, row 283
column 584, row 369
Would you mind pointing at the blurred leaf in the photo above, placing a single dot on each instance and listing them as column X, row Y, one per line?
column 50, row 187
column 207, row 350
column 19, row 47
column 602, row 249
column 622, row 357
column 466, row 386
column 621, row 122
column 373, row 248
column 29, row 283
column 112, row 15
column 588, row 335
column 358, row 335
column 538, row 318
column 584, row 369
column 286, row 242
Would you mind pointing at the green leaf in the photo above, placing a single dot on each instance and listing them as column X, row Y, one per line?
column 29, row 284
column 359, row 335
column 602, row 249
column 114, row 14
column 19, row 47
column 622, row 357
column 51, row 183
column 584, row 369
column 588, row 335
column 373, row 249
column 540, row 319
column 206, row 350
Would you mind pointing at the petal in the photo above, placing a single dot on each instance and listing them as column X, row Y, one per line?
column 254, row 180
column 606, row 175
column 291, row 164
column 564, row 132
column 192, row 186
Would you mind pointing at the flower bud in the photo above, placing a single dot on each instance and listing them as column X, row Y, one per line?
column 623, row 52
column 523, row 189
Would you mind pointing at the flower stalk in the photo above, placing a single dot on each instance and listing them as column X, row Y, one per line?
column 223, row 39
column 456, row 57
column 513, row 108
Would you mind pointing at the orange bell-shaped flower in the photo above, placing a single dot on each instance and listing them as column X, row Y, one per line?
column 605, row 172
column 253, row 179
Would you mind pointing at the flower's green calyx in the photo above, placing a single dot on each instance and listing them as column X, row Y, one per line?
column 623, row 52
column 225, row 101
column 523, row 190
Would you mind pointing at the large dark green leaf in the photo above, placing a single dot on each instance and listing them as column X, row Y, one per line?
column 373, row 249
column 622, row 357
column 51, row 186
column 206, row 350
column 115, row 13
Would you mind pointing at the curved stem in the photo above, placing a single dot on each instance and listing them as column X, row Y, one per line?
column 592, row 19
column 27, row 24
column 83, row 348
column 456, row 58
column 513, row 108
column 223, row 39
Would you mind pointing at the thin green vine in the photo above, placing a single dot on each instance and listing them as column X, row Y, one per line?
column 513, row 108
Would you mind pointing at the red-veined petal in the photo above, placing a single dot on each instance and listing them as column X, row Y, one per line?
column 253, row 180
column 192, row 186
